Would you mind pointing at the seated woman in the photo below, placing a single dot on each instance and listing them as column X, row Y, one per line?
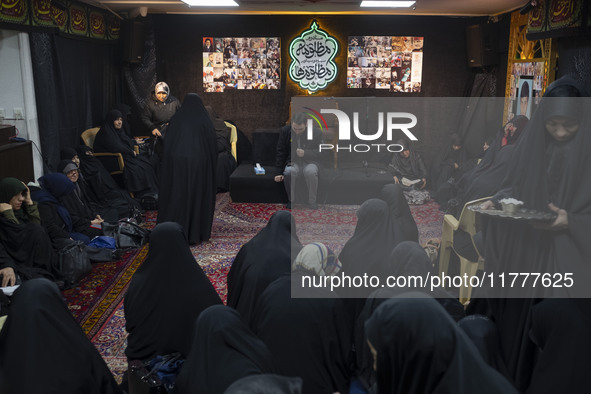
column 223, row 350
column 260, row 261
column 226, row 163
column 103, row 187
column 166, row 295
column 59, row 222
column 44, row 350
column 139, row 175
column 418, row 348
column 315, row 339
column 402, row 226
column 27, row 247
column 408, row 168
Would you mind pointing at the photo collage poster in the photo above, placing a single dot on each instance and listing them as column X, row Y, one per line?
column 231, row 63
column 527, row 85
column 385, row 62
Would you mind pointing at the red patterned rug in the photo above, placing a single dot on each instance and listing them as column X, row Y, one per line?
column 97, row 303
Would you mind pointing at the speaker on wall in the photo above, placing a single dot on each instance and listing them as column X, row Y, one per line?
column 132, row 39
column 482, row 47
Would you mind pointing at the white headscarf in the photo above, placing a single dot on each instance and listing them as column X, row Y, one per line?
column 316, row 257
column 162, row 87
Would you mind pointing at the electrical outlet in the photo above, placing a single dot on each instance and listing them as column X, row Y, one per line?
column 18, row 113
column 2, row 113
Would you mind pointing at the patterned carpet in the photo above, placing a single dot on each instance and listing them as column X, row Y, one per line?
column 97, row 303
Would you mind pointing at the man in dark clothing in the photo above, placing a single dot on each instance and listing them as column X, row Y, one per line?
column 305, row 160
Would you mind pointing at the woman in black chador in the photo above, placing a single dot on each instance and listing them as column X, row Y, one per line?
column 44, row 350
column 165, row 296
column 419, row 349
column 187, row 172
column 260, row 261
column 140, row 178
column 550, row 171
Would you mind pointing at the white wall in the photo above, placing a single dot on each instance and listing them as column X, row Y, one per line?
column 17, row 89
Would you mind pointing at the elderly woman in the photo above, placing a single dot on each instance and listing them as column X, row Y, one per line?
column 25, row 248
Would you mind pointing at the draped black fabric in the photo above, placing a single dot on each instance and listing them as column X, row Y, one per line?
column 402, row 225
column 420, row 349
column 66, row 108
column 307, row 332
column 443, row 166
column 138, row 172
column 26, row 246
column 411, row 167
column 187, row 171
column 266, row 384
column 44, row 350
column 486, row 178
column 260, row 261
column 560, row 330
column 223, row 350
column 165, row 296
column 484, row 334
column 226, row 163
column 519, row 247
column 408, row 259
column 102, row 186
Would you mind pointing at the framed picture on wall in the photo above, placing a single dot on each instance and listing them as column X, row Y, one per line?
column 524, row 102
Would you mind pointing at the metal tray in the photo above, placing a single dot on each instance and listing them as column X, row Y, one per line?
column 522, row 214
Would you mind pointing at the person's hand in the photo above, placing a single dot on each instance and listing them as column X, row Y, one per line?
column 396, row 180
column 424, row 183
column 278, row 178
column 300, row 152
column 8, row 276
column 27, row 195
column 488, row 204
column 97, row 220
column 138, row 140
column 4, row 206
column 560, row 223
column 156, row 133
column 456, row 166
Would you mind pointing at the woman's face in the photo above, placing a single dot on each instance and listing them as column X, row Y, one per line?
column 161, row 96
column 562, row 128
column 16, row 201
column 73, row 175
column 76, row 160
column 118, row 123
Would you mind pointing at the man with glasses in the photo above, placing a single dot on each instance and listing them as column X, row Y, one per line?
column 303, row 160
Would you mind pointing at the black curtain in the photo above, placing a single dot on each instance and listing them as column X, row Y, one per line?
column 76, row 83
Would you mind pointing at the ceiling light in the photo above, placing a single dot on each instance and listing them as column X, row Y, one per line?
column 211, row 3
column 387, row 4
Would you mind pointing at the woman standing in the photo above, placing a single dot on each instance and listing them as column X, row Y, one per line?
column 188, row 169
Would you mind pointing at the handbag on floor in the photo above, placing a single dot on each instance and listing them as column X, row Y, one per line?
column 73, row 263
column 127, row 235
column 155, row 376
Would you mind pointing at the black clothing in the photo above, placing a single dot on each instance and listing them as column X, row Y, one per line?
column 411, row 167
column 102, row 188
column 226, row 163
column 43, row 349
column 310, row 147
column 265, row 384
column 138, row 172
column 165, row 296
column 157, row 114
column 307, row 332
column 260, row 261
column 402, row 225
column 420, row 349
column 24, row 244
column 223, row 350
column 443, row 166
column 512, row 246
column 187, row 173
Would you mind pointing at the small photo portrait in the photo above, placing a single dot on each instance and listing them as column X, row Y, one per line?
column 272, row 43
column 354, row 41
column 416, row 87
column 524, row 97
column 218, row 74
column 354, row 83
column 408, row 87
column 396, row 59
column 368, row 83
column 209, row 87
column 258, row 43
column 396, row 87
column 397, row 44
column 407, row 44
column 396, row 74
column 218, row 87
column 417, row 43
column 383, row 83
column 208, row 44
column 218, row 44
column 207, row 74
